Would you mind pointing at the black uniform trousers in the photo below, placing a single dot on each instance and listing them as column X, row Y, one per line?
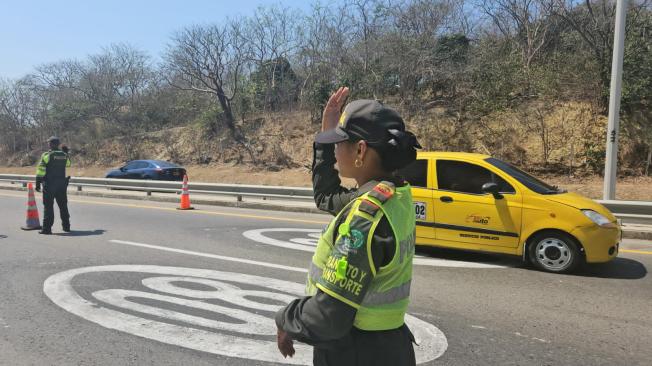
column 365, row 348
column 59, row 193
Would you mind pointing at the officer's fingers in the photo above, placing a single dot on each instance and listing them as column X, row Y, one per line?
column 343, row 94
column 281, row 343
column 289, row 349
column 287, row 342
column 333, row 99
column 281, row 348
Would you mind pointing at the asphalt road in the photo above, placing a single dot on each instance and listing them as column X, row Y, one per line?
column 144, row 284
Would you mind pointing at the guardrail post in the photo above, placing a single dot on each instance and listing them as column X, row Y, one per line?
column 79, row 188
column 149, row 193
column 24, row 184
column 239, row 198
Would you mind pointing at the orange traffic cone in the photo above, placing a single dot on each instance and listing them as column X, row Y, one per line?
column 33, row 222
column 185, row 196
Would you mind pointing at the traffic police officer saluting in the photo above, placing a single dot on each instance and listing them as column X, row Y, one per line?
column 51, row 172
column 359, row 281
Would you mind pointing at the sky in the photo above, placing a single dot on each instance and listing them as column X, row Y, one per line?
column 35, row 32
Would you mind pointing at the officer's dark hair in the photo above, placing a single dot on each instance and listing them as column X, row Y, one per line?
column 398, row 151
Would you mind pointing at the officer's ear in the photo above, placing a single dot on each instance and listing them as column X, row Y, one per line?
column 362, row 148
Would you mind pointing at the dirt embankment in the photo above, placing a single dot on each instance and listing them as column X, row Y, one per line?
column 278, row 148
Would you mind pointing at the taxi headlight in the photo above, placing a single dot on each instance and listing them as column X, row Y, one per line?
column 597, row 218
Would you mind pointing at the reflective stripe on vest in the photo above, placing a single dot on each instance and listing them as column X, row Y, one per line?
column 390, row 296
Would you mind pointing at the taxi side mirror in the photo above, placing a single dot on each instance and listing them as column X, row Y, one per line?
column 493, row 189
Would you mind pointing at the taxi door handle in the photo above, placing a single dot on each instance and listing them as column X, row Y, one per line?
column 446, row 199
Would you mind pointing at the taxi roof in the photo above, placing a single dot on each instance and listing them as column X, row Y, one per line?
column 451, row 154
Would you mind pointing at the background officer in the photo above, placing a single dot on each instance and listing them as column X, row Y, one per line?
column 51, row 173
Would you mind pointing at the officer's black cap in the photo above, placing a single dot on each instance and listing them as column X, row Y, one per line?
column 54, row 140
column 363, row 119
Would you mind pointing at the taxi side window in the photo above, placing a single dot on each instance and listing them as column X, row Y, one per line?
column 416, row 173
column 459, row 176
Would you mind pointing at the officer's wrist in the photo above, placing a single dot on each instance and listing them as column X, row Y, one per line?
column 279, row 319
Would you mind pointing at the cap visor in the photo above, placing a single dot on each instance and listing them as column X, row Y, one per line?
column 331, row 136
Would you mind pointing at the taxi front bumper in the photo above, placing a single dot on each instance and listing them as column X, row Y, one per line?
column 600, row 243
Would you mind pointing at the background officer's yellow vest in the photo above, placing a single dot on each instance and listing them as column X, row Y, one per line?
column 56, row 162
column 385, row 302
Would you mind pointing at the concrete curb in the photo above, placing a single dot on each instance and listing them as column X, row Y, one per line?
column 243, row 204
column 643, row 235
column 643, row 232
column 635, row 232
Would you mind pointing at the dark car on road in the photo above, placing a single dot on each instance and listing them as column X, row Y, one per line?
column 148, row 169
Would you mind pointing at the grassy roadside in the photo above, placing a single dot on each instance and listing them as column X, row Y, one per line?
column 630, row 188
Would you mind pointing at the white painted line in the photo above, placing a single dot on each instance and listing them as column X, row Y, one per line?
column 308, row 244
column 208, row 255
column 250, row 337
column 257, row 235
column 436, row 262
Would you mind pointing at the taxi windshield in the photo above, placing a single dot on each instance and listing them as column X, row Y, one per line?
column 526, row 179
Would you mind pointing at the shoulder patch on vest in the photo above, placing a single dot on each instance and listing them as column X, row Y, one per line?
column 368, row 207
column 383, row 191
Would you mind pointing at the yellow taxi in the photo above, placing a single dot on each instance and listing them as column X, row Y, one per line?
column 477, row 202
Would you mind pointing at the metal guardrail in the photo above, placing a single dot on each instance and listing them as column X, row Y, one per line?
column 628, row 207
column 149, row 186
column 639, row 209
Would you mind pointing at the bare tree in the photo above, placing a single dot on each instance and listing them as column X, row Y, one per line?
column 14, row 112
column 322, row 50
column 272, row 35
column 594, row 21
column 210, row 59
column 410, row 57
column 116, row 78
column 526, row 21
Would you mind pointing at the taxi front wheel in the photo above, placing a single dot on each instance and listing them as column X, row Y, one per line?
column 554, row 252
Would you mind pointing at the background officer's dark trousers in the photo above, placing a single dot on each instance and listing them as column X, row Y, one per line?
column 60, row 194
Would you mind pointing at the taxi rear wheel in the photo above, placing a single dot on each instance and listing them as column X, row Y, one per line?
column 554, row 252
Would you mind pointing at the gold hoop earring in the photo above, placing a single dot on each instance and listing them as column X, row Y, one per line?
column 358, row 163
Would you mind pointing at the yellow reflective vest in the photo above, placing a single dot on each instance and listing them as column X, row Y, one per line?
column 343, row 267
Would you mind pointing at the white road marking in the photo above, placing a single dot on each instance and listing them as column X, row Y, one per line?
column 532, row 338
column 309, row 244
column 208, row 255
column 238, row 343
column 436, row 262
column 258, row 236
